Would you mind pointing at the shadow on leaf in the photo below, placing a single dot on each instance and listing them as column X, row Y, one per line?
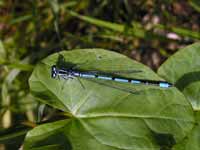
column 187, row 79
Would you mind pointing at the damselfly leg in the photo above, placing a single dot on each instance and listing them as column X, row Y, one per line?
column 65, row 74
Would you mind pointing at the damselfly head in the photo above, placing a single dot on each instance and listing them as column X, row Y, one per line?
column 53, row 71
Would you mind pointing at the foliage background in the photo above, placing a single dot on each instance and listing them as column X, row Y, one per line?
column 146, row 30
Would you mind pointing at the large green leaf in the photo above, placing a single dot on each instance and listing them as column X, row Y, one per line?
column 104, row 117
column 192, row 140
column 183, row 69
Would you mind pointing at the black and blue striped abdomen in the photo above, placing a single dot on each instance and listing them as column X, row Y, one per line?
column 124, row 80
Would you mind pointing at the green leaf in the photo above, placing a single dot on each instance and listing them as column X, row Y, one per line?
column 183, row 69
column 192, row 140
column 2, row 3
column 48, row 136
column 195, row 4
column 136, row 30
column 17, row 65
column 54, row 6
column 104, row 117
column 69, row 4
column 52, row 147
column 21, row 19
column 197, row 116
column 13, row 136
column 98, row 22
column 180, row 31
column 2, row 52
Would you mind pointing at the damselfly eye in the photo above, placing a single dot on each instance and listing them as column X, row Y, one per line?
column 53, row 71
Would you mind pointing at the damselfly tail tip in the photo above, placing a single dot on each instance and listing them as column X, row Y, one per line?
column 165, row 84
column 53, row 71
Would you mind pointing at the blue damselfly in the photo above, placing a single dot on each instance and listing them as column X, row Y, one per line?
column 114, row 75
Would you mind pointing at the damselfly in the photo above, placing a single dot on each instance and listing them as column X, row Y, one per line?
column 114, row 75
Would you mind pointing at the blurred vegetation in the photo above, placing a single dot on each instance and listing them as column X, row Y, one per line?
column 146, row 30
